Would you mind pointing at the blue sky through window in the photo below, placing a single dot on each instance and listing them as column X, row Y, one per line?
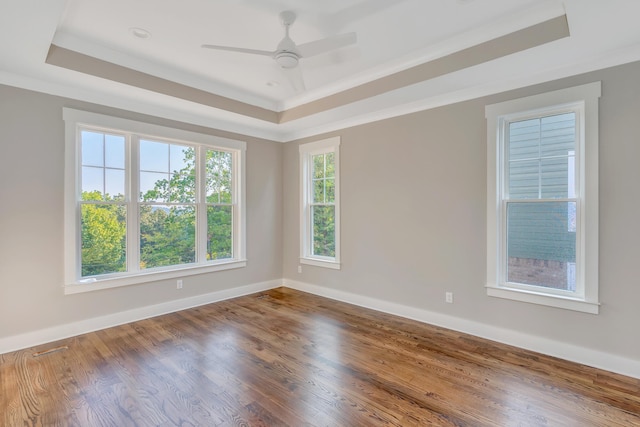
column 103, row 162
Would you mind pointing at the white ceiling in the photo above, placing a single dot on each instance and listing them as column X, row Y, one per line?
column 392, row 36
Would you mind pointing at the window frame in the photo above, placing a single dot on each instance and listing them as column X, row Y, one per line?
column 584, row 101
column 134, row 131
column 307, row 151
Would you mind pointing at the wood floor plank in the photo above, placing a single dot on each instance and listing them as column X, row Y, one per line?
column 287, row 358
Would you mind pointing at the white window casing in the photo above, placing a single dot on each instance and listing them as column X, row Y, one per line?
column 583, row 101
column 331, row 147
column 134, row 131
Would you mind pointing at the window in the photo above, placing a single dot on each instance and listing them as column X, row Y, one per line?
column 542, row 199
column 142, row 207
column 320, row 203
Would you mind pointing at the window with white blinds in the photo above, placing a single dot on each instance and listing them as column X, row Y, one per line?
column 542, row 199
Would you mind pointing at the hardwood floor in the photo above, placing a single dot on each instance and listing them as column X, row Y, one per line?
column 284, row 357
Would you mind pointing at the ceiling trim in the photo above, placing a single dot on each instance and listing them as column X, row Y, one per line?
column 518, row 41
column 527, row 38
column 72, row 60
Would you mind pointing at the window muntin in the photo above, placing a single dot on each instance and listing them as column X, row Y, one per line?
column 219, row 204
column 322, row 206
column 103, row 208
column 539, row 154
column 167, row 172
column 319, row 241
column 542, row 190
column 538, row 178
column 141, row 208
column 167, row 208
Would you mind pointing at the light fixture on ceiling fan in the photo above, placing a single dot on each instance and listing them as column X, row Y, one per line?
column 287, row 54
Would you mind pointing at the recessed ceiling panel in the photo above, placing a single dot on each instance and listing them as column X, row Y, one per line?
column 173, row 32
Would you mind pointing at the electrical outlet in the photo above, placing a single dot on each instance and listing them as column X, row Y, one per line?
column 448, row 297
column 179, row 284
column 299, row 269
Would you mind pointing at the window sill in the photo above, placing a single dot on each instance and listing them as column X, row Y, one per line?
column 149, row 276
column 557, row 301
column 320, row 263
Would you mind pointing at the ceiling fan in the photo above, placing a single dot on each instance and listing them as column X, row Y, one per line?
column 287, row 54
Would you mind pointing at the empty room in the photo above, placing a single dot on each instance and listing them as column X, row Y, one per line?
column 319, row 213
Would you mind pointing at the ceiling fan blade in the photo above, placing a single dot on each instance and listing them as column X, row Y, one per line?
column 295, row 77
column 238, row 49
column 326, row 45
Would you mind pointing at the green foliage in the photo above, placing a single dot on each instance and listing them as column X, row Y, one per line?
column 324, row 227
column 103, row 235
column 219, row 218
column 167, row 235
column 219, row 229
column 218, row 176
column 167, row 220
column 323, row 214
column 168, row 232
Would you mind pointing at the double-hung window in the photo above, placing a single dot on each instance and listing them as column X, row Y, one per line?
column 146, row 202
column 542, row 205
column 320, row 203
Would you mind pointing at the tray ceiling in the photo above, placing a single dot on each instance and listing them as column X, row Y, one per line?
column 410, row 55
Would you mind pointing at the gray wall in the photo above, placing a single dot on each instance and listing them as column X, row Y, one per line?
column 31, row 221
column 413, row 217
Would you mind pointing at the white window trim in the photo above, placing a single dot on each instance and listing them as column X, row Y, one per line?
column 73, row 283
column 306, row 151
column 587, row 299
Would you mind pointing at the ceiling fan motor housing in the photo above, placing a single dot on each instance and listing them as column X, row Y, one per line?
column 287, row 59
column 287, row 54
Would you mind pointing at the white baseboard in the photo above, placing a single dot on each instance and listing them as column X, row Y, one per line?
column 573, row 353
column 55, row 333
column 562, row 350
